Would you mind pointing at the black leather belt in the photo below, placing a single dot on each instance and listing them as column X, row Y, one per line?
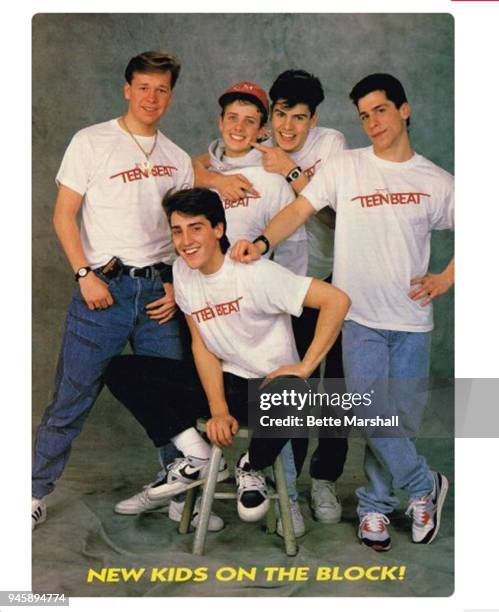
column 115, row 267
column 146, row 272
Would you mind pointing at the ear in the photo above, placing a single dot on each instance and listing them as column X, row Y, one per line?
column 314, row 119
column 126, row 90
column 405, row 111
column 220, row 121
column 219, row 230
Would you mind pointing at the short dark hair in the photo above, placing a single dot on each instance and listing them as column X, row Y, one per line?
column 227, row 99
column 297, row 87
column 153, row 61
column 380, row 81
column 198, row 201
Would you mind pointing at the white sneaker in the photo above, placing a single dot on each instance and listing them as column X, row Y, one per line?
column 325, row 504
column 296, row 518
column 140, row 502
column 373, row 532
column 184, row 473
column 252, row 496
column 177, row 507
column 426, row 511
column 38, row 512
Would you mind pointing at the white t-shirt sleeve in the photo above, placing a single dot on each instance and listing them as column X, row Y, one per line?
column 75, row 171
column 442, row 215
column 335, row 145
column 279, row 290
column 321, row 191
column 186, row 180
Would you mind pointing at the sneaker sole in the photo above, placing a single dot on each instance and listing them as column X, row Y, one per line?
column 377, row 546
column 444, row 488
column 170, row 490
column 324, row 521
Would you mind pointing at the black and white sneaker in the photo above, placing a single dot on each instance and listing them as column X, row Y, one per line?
column 215, row 522
column 184, row 473
column 252, row 496
column 38, row 512
column 426, row 511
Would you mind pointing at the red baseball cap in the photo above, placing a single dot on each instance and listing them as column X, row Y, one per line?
column 250, row 90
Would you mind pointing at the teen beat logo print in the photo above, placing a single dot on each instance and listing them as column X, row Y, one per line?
column 383, row 197
column 140, row 173
column 244, row 202
column 309, row 172
column 210, row 311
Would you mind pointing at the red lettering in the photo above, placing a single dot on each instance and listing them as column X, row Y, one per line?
column 379, row 198
column 217, row 310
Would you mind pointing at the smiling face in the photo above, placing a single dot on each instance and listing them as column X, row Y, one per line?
column 197, row 242
column 239, row 127
column 291, row 125
column 385, row 124
column 149, row 95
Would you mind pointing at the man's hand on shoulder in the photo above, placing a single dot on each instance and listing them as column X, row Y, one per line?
column 234, row 187
column 274, row 159
column 95, row 292
column 244, row 251
column 164, row 309
column 221, row 429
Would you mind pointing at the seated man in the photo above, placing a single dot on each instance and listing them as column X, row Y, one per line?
column 239, row 319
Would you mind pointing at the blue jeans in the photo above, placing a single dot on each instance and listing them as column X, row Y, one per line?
column 393, row 364
column 91, row 338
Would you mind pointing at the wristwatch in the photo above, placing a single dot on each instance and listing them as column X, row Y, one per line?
column 264, row 239
column 82, row 272
column 294, row 174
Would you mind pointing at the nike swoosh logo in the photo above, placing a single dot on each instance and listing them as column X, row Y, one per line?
column 190, row 471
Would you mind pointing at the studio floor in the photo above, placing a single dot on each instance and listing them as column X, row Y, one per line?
column 112, row 459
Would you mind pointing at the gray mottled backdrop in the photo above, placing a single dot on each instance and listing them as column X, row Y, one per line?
column 78, row 65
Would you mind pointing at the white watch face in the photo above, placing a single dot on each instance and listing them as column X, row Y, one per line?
column 82, row 272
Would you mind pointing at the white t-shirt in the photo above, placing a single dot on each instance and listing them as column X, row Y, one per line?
column 248, row 217
column 242, row 312
column 319, row 145
column 385, row 212
column 121, row 210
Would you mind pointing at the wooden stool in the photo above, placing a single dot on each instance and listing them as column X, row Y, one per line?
column 209, row 494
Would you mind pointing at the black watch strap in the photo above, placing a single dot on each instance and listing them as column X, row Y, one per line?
column 262, row 238
column 82, row 272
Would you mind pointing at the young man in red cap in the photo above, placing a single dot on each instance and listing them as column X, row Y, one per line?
column 245, row 109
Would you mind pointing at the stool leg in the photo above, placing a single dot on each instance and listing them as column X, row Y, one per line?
column 186, row 518
column 207, row 501
column 271, row 519
column 287, row 523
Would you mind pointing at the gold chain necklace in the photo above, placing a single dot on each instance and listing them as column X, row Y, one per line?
column 147, row 166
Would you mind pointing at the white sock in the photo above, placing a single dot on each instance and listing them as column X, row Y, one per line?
column 190, row 443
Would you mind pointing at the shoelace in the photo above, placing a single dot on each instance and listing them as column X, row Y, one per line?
column 375, row 522
column 420, row 510
column 250, row 479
